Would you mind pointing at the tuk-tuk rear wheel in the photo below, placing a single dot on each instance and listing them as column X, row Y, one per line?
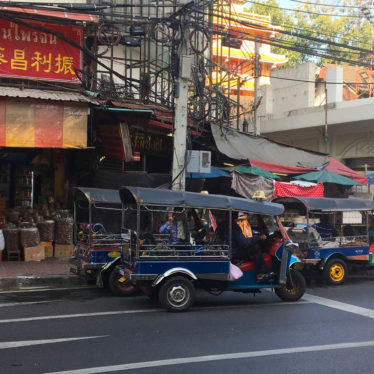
column 335, row 271
column 294, row 288
column 177, row 294
column 120, row 289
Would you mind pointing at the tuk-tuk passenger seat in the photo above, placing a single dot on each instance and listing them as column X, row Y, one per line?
column 268, row 257
column 250, row 265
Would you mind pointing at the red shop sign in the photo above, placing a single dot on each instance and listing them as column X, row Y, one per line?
column 29, row 53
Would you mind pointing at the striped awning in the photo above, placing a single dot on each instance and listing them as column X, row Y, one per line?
column 83, row 17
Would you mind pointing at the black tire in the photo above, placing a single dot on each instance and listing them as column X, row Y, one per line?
column 335, row 271
column 90, row 277
column 177, row 294
column 153, row 294
column 294, row 288
column 117, row 288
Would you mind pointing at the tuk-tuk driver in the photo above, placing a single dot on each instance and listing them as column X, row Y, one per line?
column 242, row 247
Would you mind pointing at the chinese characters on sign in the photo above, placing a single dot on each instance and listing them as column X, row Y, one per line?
column 29, row 53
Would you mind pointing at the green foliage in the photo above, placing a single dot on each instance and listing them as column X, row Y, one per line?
column 346, row 26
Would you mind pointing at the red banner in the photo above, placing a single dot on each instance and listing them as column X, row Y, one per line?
column 29, row 53
column 287, row 189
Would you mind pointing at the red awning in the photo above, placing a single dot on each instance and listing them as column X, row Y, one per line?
column 84, row 17
column 337, row 167
column 279, row 168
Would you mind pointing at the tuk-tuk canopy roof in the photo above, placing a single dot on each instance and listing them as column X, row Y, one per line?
column 97, row 195
column 328, row 204
column 162, row 197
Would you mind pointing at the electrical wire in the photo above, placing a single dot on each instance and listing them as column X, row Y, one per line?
column 330, row 5
column 306, row 37
column 302, row 11
column 307, row 51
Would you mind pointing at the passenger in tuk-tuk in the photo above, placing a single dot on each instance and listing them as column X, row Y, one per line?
column 176, row 227
column 243, row 247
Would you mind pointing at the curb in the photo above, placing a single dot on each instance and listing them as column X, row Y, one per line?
column 48, row 281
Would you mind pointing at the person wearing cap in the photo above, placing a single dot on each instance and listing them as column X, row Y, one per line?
column 242, row 222
column 244, row 247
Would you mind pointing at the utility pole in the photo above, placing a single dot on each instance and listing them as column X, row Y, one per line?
column 180, row 114
column 257, row 86
column 180, row 131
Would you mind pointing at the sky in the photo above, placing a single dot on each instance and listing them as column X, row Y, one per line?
column 286, row 3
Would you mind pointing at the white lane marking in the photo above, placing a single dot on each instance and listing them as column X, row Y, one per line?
column 25, row 343
column 134, row 311
column 227, row 356
column 365, row 312
column 43, row 288
column 26, row 303
column 99, row 314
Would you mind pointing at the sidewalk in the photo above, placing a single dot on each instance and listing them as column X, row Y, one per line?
column 51, row 272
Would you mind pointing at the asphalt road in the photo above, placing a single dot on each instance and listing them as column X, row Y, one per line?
column 331, row 330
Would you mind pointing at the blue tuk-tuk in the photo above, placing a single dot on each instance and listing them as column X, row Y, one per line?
column 173, row 271
column 97, row 236
column 332, row 233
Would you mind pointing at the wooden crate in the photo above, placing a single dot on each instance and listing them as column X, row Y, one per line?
column 64, row 250
column 34, row 253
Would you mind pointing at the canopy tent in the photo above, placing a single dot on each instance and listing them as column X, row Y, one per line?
column 279, row 168
column 337, row 167
column 325, row 176
column 247, row 169
column 333, row 166
column 241, row 146
column 215, row 173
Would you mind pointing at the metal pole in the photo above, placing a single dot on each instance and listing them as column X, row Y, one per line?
column 180, row 116
column 180, row 135
column 326, row 137
column 257, row 86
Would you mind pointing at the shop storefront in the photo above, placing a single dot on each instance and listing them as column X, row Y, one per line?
column 135, row 140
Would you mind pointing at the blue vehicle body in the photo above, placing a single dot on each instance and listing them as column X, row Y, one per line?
column 176, row 270
column 97, row 228
column 331, row 256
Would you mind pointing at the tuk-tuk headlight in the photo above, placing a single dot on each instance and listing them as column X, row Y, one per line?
column 298, row 266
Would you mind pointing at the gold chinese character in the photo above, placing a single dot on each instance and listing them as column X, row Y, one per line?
column 2, row 60
column 44, row 60
column 18, row 62
column 64, row 65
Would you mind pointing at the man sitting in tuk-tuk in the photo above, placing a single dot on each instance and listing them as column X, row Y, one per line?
column 243, row 247
column 176, row 227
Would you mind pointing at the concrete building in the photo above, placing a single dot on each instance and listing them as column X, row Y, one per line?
column 294, row 110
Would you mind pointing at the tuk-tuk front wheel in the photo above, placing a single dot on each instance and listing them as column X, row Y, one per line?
column 177, row 294
column 335, row 271
column 294, row 288
column 120, row 288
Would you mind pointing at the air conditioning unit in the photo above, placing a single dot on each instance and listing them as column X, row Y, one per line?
column 198, row 162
